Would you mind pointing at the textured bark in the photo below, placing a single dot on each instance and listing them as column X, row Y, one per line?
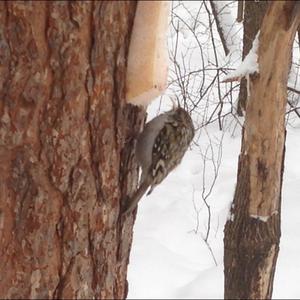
column 252, row 233
column 253, row 15
column 65, row 149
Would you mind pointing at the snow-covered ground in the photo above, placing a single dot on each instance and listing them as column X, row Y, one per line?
column 169, row 257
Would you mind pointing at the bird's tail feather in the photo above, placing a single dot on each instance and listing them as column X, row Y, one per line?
column 138, row 194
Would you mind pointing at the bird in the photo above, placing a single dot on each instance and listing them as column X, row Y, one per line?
column 159, row 149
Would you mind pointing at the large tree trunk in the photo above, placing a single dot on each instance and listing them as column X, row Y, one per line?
column 252, row 233
column 65, row 148
column 254, row 12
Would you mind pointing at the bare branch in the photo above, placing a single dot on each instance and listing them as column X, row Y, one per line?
column 293, row 90
column 232, row 79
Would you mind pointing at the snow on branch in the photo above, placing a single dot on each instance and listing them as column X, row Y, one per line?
column 248, row 66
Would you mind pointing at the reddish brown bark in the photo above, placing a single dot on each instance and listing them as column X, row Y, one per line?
column 65, row 149
column 253, row 232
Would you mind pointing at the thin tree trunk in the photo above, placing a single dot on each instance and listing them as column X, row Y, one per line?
column 65, row 148
column 252, row 233
column 240, row 11
column 219, row 27
column 253, row 15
